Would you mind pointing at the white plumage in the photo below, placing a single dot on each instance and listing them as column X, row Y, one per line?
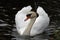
column 39, row 25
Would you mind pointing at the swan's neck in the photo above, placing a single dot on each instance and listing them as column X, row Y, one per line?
column 28, row 29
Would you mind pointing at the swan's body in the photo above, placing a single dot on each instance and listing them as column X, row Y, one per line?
column 32, row 26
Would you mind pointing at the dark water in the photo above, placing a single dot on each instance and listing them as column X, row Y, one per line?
column 8, row 9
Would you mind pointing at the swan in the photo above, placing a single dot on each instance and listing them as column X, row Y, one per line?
column 31, row 23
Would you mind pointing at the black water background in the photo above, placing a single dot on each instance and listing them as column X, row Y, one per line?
column 8, row 9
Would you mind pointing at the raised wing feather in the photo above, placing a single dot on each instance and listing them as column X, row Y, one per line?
column 41, row 22
column 20, row 17
column 41, row 11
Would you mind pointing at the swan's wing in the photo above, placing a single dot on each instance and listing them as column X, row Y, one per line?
column 41, row 22
column 20, row 17
column 41, row 11
column 25, row 9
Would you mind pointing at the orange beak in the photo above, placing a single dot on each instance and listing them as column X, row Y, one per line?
column 27, row 18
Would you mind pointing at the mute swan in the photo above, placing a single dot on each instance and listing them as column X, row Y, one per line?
column 29, row 23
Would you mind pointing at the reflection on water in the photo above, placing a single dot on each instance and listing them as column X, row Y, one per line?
column 7, row 15
column 38, row 37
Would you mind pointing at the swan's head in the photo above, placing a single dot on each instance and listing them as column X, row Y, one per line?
column 31, row 15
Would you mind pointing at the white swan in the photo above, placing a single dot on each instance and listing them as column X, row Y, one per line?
column 32, row 25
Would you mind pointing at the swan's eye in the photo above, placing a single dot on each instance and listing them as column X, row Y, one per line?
column 28, row 15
